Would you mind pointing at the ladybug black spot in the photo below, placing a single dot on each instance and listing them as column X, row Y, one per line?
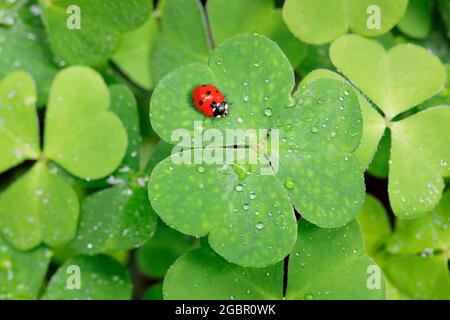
column 208, row 93
column 203, row 85
column 200, row 103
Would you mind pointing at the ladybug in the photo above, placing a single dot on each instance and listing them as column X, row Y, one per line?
column 210, row 101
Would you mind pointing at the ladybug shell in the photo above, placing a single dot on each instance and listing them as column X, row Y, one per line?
column 206, row 98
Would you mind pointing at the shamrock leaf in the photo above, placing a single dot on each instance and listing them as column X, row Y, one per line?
column 114, row 219
column 399, row 79
column 90, row 278
column 76, row 119
column 160, row 252
column 419, row 277
column 414, row 269
column 133, row 53
column 95, row 36
column 24, row 48
column 40, row 206
column 251, row 212
column 424, row 234
column 310, row 273
column 22, row 273
column 416, row 22
column 321, row 21
column 19, row 132
column 346, row 272
column 373, row 122
column 396, row 80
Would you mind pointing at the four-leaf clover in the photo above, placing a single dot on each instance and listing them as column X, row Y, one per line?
column 248, row 215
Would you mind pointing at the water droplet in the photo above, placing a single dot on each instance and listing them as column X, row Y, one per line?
column 443, row 163
column 268, row 112
column 346, row 92
column 232, row 297
column 200, row 169
column 257, row 64
column 248, row 292
column 239, row 188
column 333, row 135
column 201, row 186
column 260, row 226
column 252, row 196
column 245, row 206
column 309, row 296
column 289, row 184
column 240, row 120
column 246, row 98
column 267, row 81
column 314, row 129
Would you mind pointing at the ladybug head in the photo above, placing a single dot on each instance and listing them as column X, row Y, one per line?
column 221, row 110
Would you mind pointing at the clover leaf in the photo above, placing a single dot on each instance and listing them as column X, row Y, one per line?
column 400, row 79
column 19, row 132
column 24, row 48
column 373, row 122
column 133, row 53
column 22, row 273
column 100, row 278
column 97, row 37
column 311, row 274
column 81, row 135
column 77, row 119
column 423, row 234
column 321, row 21
column 414, row 270
column 114, row 219
column 242, row 209
column 416, row 22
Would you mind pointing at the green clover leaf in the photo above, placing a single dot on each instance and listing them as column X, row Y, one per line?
column 154, row 292
column 38, row 207
column 81, row 135
column 77, row 119
column 101, row 278
column 184, row 35
column 311, row 274
column 396, row 81
column 414, row 269
column 250, row 220
column 22, row 273
column 321, row 21
column 19, row 132
column 416, row 22
column 99, row 34
column 24, row 48
column 114, row 219
column 427, row 233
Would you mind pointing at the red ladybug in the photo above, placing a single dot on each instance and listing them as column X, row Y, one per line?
column 210, row 101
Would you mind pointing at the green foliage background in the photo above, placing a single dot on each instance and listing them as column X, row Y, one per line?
column 87, row 182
